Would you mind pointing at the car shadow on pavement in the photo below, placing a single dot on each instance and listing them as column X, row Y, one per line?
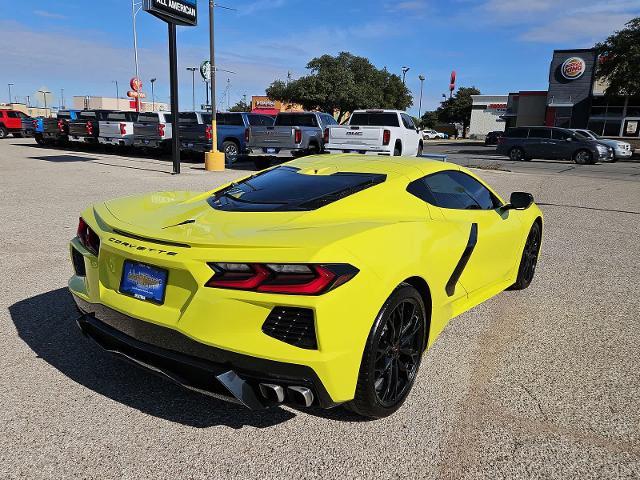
column 46, row 323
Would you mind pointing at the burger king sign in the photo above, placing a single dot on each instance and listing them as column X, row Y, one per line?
column 573, row 68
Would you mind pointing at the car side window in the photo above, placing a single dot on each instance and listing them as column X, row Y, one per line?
column 454, row 190
column 407, row 121
column 560, row 134
column 540, row 133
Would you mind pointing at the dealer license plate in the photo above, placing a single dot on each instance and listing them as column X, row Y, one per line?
column 143, row 281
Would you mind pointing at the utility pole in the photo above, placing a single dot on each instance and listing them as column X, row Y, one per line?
column 117, row 94
column 228, row 94
column 61, row 98
column 404, row 73
column 135, row 8
column 153, row 94
column 44, row 93
column 28, row 98
column 193, row 85
column 206, row 90
column 421, row 78
column 213, row 160
column 10, row 85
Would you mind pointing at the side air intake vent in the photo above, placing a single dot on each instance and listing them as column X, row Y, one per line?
column 292, row 325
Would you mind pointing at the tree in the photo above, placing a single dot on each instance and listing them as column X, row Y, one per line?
column 458, row 108
column 429, row 119
column 620, row 60
column 342, row 84
column 241, row 106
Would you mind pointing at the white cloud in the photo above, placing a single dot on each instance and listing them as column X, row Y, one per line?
column 579, row 30
column 259, row 5
column 45, row 14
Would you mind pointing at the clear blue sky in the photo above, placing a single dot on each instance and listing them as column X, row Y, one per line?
column 495, row 45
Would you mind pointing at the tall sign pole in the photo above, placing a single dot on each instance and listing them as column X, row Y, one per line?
column 213, row 160
column 174, row 12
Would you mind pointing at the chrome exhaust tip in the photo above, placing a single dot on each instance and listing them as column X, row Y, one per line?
column 300, row 396
column 272, row 392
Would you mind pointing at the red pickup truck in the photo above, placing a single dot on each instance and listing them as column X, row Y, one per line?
column 11, row 122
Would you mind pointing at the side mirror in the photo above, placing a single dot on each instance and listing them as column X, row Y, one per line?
column 519, row 201
column 568, row 139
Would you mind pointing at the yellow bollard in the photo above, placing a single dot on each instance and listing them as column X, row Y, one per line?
column 214, row 161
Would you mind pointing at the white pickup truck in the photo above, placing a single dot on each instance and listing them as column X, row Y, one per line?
column 117, row 129
column 375, row 132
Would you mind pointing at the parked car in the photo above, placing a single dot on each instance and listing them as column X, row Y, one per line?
column 620, row 149
column 493, row 137
column 293, row 134
column 525, row 143
column 442, row 135
column 232, row 133
column 375, row 132
column 86, row 127
column 55, row 130
column 38, row 129
column 117, row 129
column 429, row 134
column 27, row 126
column 11, row 123
column 153, row 130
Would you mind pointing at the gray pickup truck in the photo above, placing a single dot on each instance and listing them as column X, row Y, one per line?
column 293, row 134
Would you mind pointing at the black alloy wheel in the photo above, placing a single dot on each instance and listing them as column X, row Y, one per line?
column 3, row 132
column 583, row 157
column 516, row 154
column 529, row 259
column 392, row 355
column 231, row 152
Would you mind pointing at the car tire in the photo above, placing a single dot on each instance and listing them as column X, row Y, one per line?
column 392, row 355
column 17, row 135
column 529, row 259
column 231, row 152
column 420, row 148
column 262, row 162
column 3, row 132
column 313, row 149
column 516, row 154
column 39, row 140
column 583, row 157
column 397, row 151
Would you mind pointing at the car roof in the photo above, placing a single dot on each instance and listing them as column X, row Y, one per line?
column 410, row 167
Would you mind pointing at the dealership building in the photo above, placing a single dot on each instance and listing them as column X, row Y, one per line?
column 574, row 99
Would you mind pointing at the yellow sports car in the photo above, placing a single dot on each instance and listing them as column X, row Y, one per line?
column 317, row 282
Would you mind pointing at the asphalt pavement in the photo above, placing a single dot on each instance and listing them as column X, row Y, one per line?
column 541, row 383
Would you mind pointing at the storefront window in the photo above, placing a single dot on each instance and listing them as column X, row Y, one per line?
column 631, row 128
column 596, row 125
column 612, row 128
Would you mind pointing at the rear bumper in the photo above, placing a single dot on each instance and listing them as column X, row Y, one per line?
column 209, row 370
column 361, row 149
column 117, row 141
column 151, row 142
column 280, row 152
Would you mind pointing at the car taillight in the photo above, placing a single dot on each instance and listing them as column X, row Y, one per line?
column 34, row 123
column 298, row 136
column 61, row 125
column 292, row 279
column 386, row 137
column 161, row 127
column 246, row 134
column 123, row 129
column 88, row 238
column 500, row 140
column 89, row 127
column 325, row 136
column 208, row 132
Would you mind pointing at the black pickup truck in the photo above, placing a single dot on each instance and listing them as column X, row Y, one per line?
column 85, row 128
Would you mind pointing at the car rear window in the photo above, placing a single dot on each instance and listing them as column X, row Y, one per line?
column 260, row 120
column 376, row 119
column 296, row 120
column 64, row 115
column 121, row 116
column 234, row 119
column 284, row 188
column 87, row 115
column 148, row 118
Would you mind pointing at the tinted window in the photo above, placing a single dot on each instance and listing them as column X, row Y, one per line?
column 260, row 120
column 64, row 115
column 539, row 133
column 187, row 118
column 87, row 115
column 285, row 189
column 517, row 133
column 13, row 115
column 230, row 119
column 562, row 134
column 121, row 116
column 148, row 117
column 377, row 119
column 329, row 120
column 296, row 120
column 407, row 121
column 456, row 190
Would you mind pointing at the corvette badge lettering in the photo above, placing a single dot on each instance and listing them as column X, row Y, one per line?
column 141, row 248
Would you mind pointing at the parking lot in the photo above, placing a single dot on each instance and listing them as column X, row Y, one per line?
column 541, row 383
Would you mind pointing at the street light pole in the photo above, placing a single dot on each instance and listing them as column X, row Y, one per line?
column 153, row 94
column 44, row 93
column 404, row 73
column 135, row 8
column 421, row 78
column 117, row 94
column 10, row 85
column 193, row 86
column 213, row 160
